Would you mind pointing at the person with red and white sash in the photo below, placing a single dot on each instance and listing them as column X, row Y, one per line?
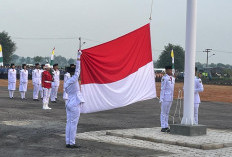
column 46, row 84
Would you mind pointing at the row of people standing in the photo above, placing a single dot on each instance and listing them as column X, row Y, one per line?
column 37, row 80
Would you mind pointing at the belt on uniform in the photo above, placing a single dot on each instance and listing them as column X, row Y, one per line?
column 48, row 81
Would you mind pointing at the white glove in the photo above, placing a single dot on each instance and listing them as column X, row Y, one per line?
column 79, row 52
column 161, row 101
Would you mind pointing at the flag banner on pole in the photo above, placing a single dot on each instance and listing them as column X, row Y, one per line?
column 118, row 73
column 173, row 67
column 1, row 56
column 52, row 56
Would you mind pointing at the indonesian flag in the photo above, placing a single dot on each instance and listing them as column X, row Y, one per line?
column 118, row 73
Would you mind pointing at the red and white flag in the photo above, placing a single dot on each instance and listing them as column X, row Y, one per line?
column 118, row 73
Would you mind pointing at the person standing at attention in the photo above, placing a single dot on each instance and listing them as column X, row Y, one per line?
column 55, row 83
column 36, row 80
column 198, row 87
column 46, row 84
column 23, row 81
column 166, row 97
column 11, row 80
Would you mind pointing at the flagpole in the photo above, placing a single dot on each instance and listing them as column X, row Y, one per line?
column 189, row 72
column 79, row 43
column 1, row 56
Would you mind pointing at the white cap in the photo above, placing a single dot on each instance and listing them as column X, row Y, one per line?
column 47, row 66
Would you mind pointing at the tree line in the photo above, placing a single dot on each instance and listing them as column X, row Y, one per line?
column 164, row 59
column 62, row 61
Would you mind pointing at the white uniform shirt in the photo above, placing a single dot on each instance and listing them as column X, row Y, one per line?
column 56, row 78
column 66, row 77
column 167, row 88
column 36, row 76
column 72, row 88
column 23, row 76
column 41, row 73
column 11, row 76
column 198, row 87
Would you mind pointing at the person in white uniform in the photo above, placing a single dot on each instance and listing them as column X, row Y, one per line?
column 23, row 81
column 55, row 83
column 75, row 99
column 66, row 77
column 166, row 97
column 12, row 81
column 41, row 88
column 36, row 80
column 198, row 87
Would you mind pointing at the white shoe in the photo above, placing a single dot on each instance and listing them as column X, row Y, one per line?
column 44, row 107
column 48, row 108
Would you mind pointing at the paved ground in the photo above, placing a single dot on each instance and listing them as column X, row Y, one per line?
column 27, row 130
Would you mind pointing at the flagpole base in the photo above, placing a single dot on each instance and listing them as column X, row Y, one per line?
column 188, row 130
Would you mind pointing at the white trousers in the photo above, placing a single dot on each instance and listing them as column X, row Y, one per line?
column 41, row 91
column 65, row 96
column 23, row 87
column 46, row 95
column 11, row 86
column 165, row 109
column 36, row 91
column 23, row 95
column 196, row 107
column 11, row 93
column 54, row 93
column 73, row 114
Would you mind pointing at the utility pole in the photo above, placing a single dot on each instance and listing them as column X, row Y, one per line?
column 207, row 51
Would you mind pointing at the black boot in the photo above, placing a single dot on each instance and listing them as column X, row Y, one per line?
column 74, row 146
column 163, row 130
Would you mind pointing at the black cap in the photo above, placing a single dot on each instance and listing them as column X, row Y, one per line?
column 55, row 65
column 70, row 70
column 36, row 64
column 23, row 65
column 168, row 67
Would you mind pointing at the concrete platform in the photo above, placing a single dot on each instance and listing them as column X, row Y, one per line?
column 215, row 139
column 188, row 130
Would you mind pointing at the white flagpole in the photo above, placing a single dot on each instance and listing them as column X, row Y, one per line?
column 190, row 53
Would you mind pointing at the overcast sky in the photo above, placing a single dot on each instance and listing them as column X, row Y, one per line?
column 98, row 21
